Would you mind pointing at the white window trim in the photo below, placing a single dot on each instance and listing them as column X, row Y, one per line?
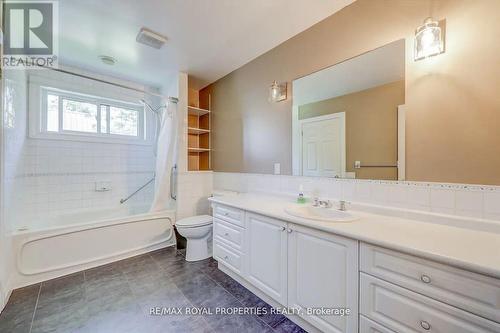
column 38, row 88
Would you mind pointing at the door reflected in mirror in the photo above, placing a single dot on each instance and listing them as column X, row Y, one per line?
column 348, row 119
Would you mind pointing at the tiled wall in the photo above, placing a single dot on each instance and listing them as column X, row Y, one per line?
column 56, row 177
column 44, row 177
column 454, row 199
column 193, row 190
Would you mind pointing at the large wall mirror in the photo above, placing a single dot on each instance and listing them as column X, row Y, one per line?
column 349, row 119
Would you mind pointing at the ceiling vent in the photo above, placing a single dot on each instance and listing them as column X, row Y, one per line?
column 151, row 38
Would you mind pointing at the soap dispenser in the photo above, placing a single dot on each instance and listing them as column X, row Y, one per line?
column 301, row 199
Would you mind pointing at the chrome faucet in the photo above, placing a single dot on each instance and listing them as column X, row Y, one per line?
column 322, row 203
column 342, row 205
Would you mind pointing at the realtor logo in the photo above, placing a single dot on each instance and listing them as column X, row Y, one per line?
column 28, row 34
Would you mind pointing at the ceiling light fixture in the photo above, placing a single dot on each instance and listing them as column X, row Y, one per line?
column 428, row 40
column 107, row 60
column 277, row 92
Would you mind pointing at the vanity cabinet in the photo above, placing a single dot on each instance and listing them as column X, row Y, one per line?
column 267, row 255
column 323, row 273
column 385, row 290
column 405, row 311
column 466, row 290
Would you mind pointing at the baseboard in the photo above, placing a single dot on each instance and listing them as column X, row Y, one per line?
column 296, row 319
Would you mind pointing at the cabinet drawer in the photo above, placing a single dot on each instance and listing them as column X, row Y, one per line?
column 228, row 233
column 405, row 311
column 229, row 214
column 473, row 292
column 227, row 257
column 369, row 326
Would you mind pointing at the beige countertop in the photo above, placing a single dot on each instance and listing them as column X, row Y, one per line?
column 466, row 248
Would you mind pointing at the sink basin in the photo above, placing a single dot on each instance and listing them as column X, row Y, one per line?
column 320, row 214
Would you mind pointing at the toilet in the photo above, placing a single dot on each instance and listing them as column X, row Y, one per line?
column 197, row 230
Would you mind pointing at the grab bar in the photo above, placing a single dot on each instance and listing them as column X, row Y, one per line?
column 136, row 191
column 173, row 188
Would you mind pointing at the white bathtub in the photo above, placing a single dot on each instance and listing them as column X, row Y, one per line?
column 73, row 242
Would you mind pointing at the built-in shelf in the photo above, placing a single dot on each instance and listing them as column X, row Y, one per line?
column 197, row 131
column 198, row 150
column 194, row 111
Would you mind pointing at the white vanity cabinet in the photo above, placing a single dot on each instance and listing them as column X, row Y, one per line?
column 267, row 255
column 323, row 273
column 409, row 294
column 386, row 291
column 295, row 266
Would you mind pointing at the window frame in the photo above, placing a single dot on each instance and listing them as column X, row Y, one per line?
column 98, row 136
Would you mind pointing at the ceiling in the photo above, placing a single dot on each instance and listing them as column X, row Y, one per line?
column 206, row 38
column 380, row 66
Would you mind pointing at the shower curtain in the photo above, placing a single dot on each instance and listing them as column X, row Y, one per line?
column 166, row 157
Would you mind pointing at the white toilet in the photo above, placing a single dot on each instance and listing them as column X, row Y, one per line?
column 197, row 230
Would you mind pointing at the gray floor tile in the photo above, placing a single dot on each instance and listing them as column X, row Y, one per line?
column 271, row 319
column 287, row 326
column 237, row 323
column 18, row 314
column 118, row 298
column 56, row 318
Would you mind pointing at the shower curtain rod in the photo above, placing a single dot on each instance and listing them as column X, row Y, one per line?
column 170, row 98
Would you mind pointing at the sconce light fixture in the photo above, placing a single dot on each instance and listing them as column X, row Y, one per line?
column 277, row 92
column 428, row 40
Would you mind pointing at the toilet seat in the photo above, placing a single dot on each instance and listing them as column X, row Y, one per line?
column 194, row 221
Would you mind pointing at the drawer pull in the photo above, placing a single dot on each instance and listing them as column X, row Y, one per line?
column 226, row 258
column 226, row 214
column 226, row 234
column 425, row 279
column 425, row 325
column 290, row 231
column 283, row 228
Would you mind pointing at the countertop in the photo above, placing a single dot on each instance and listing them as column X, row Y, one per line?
column 474, row 250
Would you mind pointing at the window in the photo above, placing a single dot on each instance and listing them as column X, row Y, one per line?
column 69, row 113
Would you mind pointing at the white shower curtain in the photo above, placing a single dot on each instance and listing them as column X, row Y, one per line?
column 166, row 157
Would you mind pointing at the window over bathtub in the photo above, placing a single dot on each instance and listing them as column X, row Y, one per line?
column 79, row 110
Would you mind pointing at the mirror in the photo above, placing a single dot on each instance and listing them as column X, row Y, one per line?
column 348, row 119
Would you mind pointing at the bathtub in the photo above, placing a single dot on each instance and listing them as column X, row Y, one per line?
column 73, row 242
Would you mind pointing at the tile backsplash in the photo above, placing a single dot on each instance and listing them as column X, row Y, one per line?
column 453, row 199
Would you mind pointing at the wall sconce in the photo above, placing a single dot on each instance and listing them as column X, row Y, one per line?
column 277, row 92
column 428, row 40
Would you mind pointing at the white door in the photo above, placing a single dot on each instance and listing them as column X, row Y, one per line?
column 323, row 145
column 323, row 273
column 267, row 255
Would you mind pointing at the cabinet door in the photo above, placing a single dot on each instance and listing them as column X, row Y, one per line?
column 323, row 273
column 266, row 255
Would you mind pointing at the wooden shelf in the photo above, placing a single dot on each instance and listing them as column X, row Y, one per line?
column 194, row 111
column 198, row 150
column 197, row 131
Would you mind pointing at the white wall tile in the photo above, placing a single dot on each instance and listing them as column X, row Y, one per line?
column 418, row 197
column 397, row 195
column 492, row 202
column 461, row 200
column 469, row 203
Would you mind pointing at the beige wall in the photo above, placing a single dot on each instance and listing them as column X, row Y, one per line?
column 453, row 119
column 371, row 127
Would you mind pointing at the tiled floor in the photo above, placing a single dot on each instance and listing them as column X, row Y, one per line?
column 118, row 298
